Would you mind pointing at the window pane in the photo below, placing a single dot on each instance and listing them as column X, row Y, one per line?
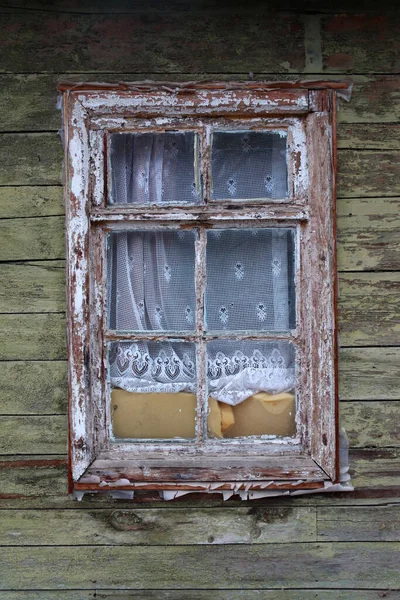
column 251, row 388
column 155, row 168
column 153, row 389
column 151, row 281
column 249, row 164
column 250, row 279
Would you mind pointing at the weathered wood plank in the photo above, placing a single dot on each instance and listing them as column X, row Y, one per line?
column 376, row 136
column 372, row 565
column 375, row 468
column 32, row 337
column 369, row 309
column 33, row 434
column 346, row 43
column 356, row 524
column 369, row 424
column 152, row 43
column 354, row 594
column 158, row 526
column 30, row 287
column 33, row 387
column 369, row 374
column 42, row 238
column 368, row 234
column 30, row 201
column 28, row 102
column 368, row 173
column 25, row 477
column 30, row 159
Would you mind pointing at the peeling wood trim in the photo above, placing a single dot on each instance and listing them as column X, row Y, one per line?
column 91, row 112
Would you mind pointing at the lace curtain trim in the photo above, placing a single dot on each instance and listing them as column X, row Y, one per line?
column 231, row 379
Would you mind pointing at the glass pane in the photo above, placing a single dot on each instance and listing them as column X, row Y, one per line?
column 150, row 281
column 154, row 168
column 251, row 389
column 250, row 279
column 153, row 389
column 248, row 164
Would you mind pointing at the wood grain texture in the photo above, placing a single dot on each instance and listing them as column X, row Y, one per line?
column 296, row 594
column 370, row 424
column 30, row 159
column 372, row 524
column 368, row 234
column 152, row 43
column 37, row 388
column 33, row 434
column 369, row 306
column 32, row 287
column 369, row 373
column 346, row 43
column 42, row 238
column 376, row 136
column 369, row 565
column 368, row 173
column 158, row 526
column 31, row 201
column 33, row 337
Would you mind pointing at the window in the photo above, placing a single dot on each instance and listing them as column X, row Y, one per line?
column 201, row 286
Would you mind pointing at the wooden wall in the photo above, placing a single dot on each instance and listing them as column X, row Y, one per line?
column 323, row 546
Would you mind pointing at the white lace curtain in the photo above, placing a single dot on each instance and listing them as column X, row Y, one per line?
column 249, row 286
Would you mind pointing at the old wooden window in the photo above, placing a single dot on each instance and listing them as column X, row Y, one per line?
column 201, row 286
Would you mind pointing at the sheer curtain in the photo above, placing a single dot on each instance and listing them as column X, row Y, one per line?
column 151, row 273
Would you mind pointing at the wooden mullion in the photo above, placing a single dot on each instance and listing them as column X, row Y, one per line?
column 201, row 350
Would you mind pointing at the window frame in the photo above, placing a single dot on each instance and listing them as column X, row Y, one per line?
column 90, row 113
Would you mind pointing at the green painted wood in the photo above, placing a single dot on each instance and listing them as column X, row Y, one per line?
column 354, row 594
column 31, row 201
column 374, row 136
column 373, row 468
column 360, row 43
column 42, row 238
column 33, row 387
column 369, row 565
column 29, row 102
column 369, row 373
column 33, row 434
column 32, row 287
column 371, row 423
column 368, row 234
column 355, row 524
column 30, row 159
column 369, row 309
column 33, row 476
column 163, row 526
column 33, row 337
column 368, row 173
column 152, row 43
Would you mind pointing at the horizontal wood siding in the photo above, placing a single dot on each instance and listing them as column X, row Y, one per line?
column 321, row 546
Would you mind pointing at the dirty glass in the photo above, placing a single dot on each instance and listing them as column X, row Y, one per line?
column 249, row 165
column 251, row 388
column 154, row 168
column 153, row 389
